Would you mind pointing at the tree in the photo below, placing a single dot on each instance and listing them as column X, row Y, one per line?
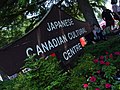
column 87, row 11
column 13, row 10
column 14, row 13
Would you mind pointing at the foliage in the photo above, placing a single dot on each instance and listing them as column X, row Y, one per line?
column 14, row 13
column 74, row 11
column 93, row 74
column 8, row 36
column 111, row 45
column 45, row 75
column 14, row 17
column 93, row 71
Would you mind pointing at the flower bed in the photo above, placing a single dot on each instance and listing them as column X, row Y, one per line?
column 98, row 73
column 97, row 69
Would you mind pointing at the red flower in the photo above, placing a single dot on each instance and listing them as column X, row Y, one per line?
column 106, row 53
column 107, row 63
column 106, row 57
column 85, row 85
column 97, row 89
column 117, row 53
column 102, row 57
column 111, row 56
column 107, row 85
column 95, row 60
column 53, row 55
column 92, row 79
column 102, row 62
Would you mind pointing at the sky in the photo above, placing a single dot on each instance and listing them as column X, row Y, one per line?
column 108, row 4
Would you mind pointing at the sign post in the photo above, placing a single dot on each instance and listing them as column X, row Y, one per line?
column 57, row 32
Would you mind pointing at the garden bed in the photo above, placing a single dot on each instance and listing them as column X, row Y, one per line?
column 95, row 70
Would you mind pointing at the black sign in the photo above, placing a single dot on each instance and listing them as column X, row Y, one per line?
column 57, row 32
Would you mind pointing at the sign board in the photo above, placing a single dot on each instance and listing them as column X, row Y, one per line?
column 57, row 32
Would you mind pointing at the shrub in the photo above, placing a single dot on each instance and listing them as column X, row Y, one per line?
column 111, row 45
column 93, row 74
column 45, row 75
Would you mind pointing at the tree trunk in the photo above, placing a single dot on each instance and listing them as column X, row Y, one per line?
column 87, row 11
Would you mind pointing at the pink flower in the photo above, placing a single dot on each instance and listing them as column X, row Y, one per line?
column 106, row 57
column 92, row 79
column 111, row 56
column 102, row 62
column 98, row 71
column 106, row 53
column 107, row 63
column 85, row 85
column 97, row 89
column 117, row 53
column 95, row 60
column 101, row 57
column 107, row 85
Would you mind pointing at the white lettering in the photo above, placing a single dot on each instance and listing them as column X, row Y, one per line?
column 50, row 45
column 27, row 51
column 44, row 47
column 74, row 34
column 70, row 36
column 49, row 29
column 64, row 38
column 59, row 24
column 61, row 40
column 72, row 51
column 56, row 25
column 52, row 26
column 55, row 42
column 65, row 55
column 39, row 50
